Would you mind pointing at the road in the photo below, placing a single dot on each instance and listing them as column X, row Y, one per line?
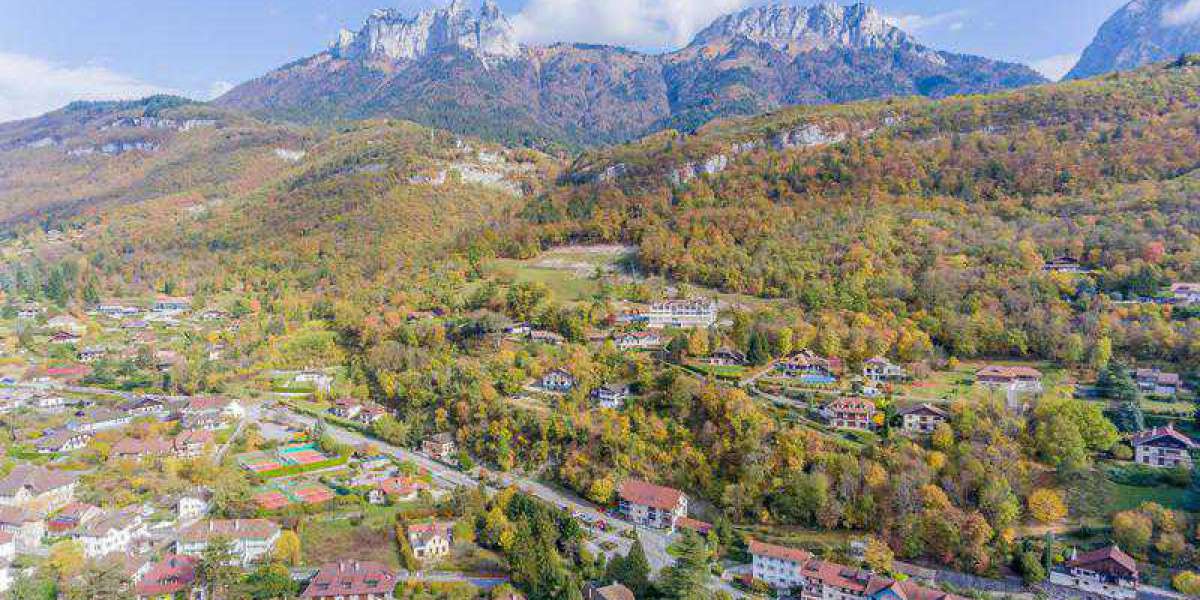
column 655, row 542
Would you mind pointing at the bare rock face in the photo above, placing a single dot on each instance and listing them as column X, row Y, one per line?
column 463, row 70
column 1141, row 32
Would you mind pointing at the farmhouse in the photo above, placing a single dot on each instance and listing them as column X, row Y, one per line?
column 1163, row 447
column 651, row 505
column 1104, row 573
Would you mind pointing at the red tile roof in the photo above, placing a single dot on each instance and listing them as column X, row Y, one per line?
column 797, row 555
column 648, row 494
column 171, row 575
column 351, row 579
column 1110, row 560
column 1168, row 431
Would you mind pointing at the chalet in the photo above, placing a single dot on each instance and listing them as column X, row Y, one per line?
column 63, row 338
column 1064, row 264
column 1104, row 573
column 345, row 408
column 558, row 380
column 251, row 538
column 681, row 314
column 880, row 369
column 173, row 577
column 922, row 419
column 110, row 532
column 92, row 354
column 1163, row 447
column 612, row 395
column 1158, row 383
column 651, row 505
column 62, row 440
column 37, row 489
column 810, row 368
column 850, row 413
column 430, row 540
column 172, row 304
column 1015, row 379
column 546, row 337
column 145, row 407
column 1186, row 293
column 725, row 357
column 440, row 447
column 360, row 580
column 636, row 340
column 396, row 489
column 613, row 591
column 26, row 528
column 71, row 516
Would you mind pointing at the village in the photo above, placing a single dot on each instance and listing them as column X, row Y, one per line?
column 302, row 455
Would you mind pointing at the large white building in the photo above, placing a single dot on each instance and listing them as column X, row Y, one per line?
column 684, row 314
column 651, row 505
column 111, row 532
column 250, row 538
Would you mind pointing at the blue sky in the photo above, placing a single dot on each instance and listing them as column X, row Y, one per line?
column 52, row 52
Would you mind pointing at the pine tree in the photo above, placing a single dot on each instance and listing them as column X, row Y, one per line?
column 631, row 570
column 688, row 578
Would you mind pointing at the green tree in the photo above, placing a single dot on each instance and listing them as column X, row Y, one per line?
column 217, row 568
column 270, row 581
column 688, row 578
column 632, row 570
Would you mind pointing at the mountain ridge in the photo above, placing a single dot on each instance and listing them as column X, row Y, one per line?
column 464, row 70
column 1139, row 33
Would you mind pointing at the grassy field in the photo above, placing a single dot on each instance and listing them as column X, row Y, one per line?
column 942, row 386
column 324, row 536
column 1128, row 496
column 567, row 272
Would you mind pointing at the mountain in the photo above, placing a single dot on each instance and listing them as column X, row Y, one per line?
column 1141, row 32
column 464, row 70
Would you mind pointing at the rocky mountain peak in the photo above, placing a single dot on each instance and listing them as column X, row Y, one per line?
column 389, row 34
column 1139, row 33
column 817, row 27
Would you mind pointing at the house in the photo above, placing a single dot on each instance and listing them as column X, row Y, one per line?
column 850, row 413
column 810, row 368
column 145, row 407
column 922, row 419
column 651, row 505
column 62, row 440
column 1104, row 573
column 8, row 547
column 1063, row 264
column 172, row 578
column 140, row 448
column 681, row 314
column 359, row 580
column 880, row 369
column 613, row 591
column 172, row 304
column 395, row 489
column 321, row 382
column 191, row 443
column 778, row 566
column 116, row 310
column 1015, row 379
column 546, row 337
column 636, row 340
column 725, row 357
column 1186, row 293
column 1163, row 447
column 227, row 408
column 1158, row 383
column 518, row 329
column 110, row 532
column 192, row 505
column 71, row 516
column 214, row 315
column 50, row 402
column 440, row 447
column 63, row 338
column 345, row 408
column 26, row 529
column 92, row 354
column 430, row 540
column 694, row 525
column 558, row 380
column 612, row 395
column 208, row 421
column 370, row 413
column 100, row 419
column 250, row 538
column 39, row 490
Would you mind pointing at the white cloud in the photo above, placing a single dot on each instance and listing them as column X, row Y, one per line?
column 31, row 86
column 916, row 23
column 1183, row 14
column 1055, row 67
column 218, row 89
column 634, row 23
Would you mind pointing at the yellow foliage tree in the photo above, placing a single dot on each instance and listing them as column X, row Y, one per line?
column 1047, row 505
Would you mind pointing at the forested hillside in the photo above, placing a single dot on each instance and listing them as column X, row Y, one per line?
column 932, row 218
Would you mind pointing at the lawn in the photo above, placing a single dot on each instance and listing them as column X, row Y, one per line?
column 564, row 285
column 719, row 371
column 1126, row 497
